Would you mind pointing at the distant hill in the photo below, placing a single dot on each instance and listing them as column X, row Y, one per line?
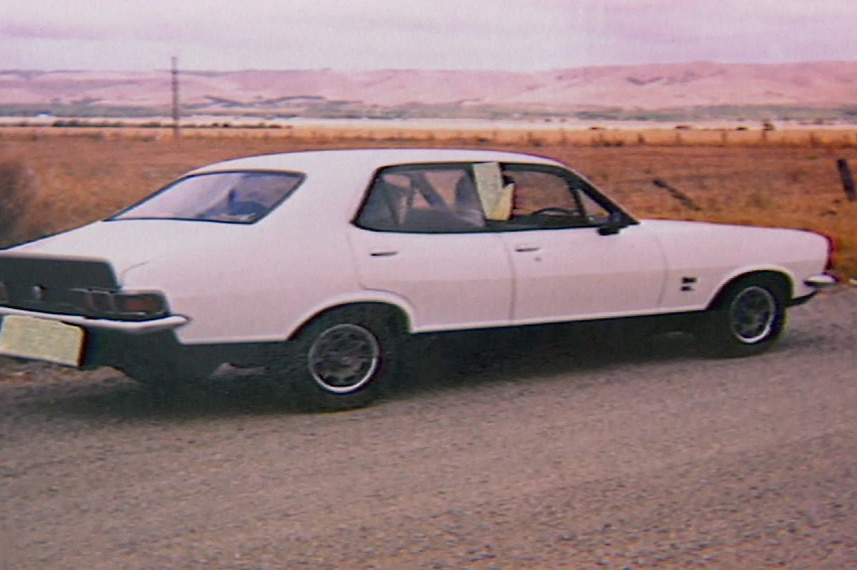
column 667, row 91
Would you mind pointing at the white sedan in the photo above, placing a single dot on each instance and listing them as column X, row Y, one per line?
column 317, row 265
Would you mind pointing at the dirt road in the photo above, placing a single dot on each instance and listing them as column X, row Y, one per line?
column 643, row 456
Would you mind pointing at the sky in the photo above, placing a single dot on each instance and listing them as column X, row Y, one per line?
column 515, row 35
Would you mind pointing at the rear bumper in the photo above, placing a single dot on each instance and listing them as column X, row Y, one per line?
column 163, row 324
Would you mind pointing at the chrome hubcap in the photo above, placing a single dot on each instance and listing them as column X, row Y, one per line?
column 344, row 358
column 752, row 314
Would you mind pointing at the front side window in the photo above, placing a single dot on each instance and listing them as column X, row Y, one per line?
column 232, row 197
column 545, row 197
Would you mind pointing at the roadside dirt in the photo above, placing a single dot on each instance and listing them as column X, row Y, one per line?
column 638, row 454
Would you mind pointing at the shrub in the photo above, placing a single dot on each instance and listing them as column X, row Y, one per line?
column 16, row 194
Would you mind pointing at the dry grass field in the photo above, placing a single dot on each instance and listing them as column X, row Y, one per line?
column 779, row 178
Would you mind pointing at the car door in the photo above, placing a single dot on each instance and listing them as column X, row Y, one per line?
column 564, row 267
column 421, row 236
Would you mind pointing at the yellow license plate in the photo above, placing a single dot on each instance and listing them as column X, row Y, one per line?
column 41, row 339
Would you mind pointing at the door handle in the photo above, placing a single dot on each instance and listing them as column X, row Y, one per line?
column 383, row 253
column 523, row 248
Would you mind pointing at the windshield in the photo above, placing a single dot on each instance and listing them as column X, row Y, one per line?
column 233, row 197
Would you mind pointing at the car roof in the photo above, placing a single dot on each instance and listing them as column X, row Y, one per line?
column 361, row 160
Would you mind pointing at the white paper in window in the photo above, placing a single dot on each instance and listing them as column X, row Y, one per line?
column 496, row 199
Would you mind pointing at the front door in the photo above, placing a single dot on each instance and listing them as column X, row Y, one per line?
column 564, row 268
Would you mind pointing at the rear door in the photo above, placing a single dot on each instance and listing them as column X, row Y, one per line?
column 422, row 237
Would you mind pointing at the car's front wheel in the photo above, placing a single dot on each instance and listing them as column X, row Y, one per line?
column 343, row 359
column 748, row 318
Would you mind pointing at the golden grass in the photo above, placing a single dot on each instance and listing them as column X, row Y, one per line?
column 789, row 180
column 529, row 134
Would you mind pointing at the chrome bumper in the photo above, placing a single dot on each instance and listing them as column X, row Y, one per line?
column 820, row 281
column 128, row 327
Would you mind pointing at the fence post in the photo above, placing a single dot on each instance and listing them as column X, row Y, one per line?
column 847, row 179
column 677, row 194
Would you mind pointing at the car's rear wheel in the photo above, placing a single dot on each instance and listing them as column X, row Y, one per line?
column 343, row 359
column 748, row 319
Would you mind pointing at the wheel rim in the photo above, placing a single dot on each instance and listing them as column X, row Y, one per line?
column 344, row 358
column 752, row 314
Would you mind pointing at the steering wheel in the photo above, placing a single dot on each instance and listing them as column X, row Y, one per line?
column 556, row 211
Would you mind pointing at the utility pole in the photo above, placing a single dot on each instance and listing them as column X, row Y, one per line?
column 177, row 133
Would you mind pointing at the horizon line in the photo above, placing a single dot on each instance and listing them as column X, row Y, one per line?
column 436, row 69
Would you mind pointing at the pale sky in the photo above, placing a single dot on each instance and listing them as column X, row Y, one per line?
column 517, row 35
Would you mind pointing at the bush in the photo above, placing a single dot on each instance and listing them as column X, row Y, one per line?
column 16, row 195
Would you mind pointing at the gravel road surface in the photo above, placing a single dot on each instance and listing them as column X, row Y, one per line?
column 629, row 455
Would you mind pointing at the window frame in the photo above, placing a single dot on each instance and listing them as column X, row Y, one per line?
column 576, row 184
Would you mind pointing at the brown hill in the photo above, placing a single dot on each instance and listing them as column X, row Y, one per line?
column 645, row 87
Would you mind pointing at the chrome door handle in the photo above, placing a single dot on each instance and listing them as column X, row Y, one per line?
column 525, row 248
column 383, row 253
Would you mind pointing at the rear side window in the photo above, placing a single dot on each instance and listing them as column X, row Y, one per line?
column 232, row 197
column 423, row 199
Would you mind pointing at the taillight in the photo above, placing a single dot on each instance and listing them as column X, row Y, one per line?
column 122, row 304
column 101, row 302
column 140, row 304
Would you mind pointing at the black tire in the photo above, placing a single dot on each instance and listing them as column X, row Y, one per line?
column 747, row 319
column 343, row 360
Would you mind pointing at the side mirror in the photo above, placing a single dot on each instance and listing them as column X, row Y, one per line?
column 614, row 224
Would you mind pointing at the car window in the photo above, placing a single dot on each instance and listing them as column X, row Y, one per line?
column 545, row 197
column 423, row 198
column 234, row 197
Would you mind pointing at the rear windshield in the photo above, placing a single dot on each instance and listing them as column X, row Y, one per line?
column 232, row 197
